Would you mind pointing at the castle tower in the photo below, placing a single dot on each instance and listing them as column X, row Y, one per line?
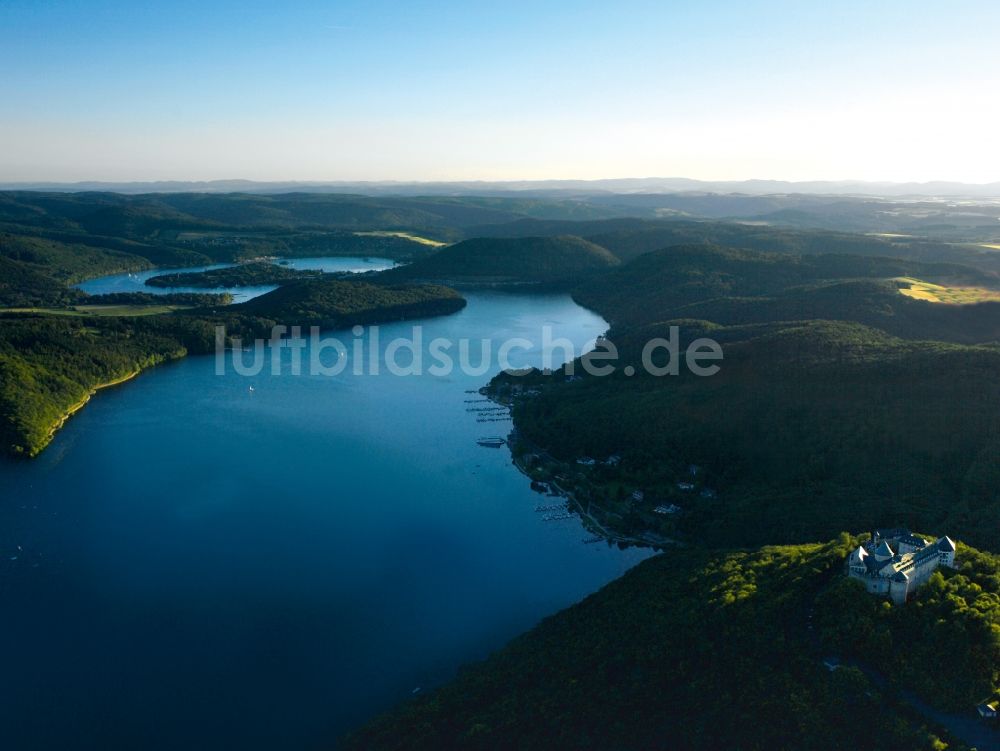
column 946, row 549
column 899, row 587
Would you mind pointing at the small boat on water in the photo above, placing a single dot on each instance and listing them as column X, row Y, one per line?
column 493, row 442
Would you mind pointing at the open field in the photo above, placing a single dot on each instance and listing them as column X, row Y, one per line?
column 100, row 310
column 209, row 234
column 920, row 290
column 404, row 236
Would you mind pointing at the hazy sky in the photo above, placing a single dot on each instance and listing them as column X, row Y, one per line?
column 796, row 89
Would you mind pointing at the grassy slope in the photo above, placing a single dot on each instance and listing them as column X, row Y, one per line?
column 102, row 310
column 691, row 649
column 947, row 294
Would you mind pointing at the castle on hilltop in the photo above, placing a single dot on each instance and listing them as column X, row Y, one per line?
column 895, row 562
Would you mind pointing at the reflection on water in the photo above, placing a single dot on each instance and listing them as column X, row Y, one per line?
column 192, row 564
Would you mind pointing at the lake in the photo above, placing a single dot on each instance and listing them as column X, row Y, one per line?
column 192, row 564
column 136, row 282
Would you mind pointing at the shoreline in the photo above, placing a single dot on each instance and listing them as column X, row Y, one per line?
column 378, row 316
column 76, row 407
column 590, row 522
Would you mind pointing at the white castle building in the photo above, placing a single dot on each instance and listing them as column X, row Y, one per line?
column 894, row 562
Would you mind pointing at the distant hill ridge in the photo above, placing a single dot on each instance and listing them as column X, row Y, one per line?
column 542, row 260
column 609, row 185
column 732, row 287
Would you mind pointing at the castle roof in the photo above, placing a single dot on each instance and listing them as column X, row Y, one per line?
column 930, row 551
column 946, row 545
column 891, row 533
column 883, row 550
column 913, row 541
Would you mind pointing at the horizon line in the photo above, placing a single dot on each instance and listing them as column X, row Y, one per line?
column 504, row 181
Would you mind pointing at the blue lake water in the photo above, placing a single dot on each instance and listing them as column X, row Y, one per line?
column 195, row 565
column 136, row 282
column 332, row 264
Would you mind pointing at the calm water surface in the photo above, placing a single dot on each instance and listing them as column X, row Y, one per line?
column 194, row 565
column 136, row 282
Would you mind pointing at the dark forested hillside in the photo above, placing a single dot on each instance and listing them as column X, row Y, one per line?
column 628, row 238
column 805, row 430
column 837, row 400
column 160, row 216
column 946, row 647
column 242, row 275
column 690, row 650
column 22, row 285
column 729, row 286
column 534, row 260
column 332, row 302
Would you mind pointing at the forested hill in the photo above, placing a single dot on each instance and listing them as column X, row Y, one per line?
column 697, row 649
column 241, row 275
column 51, row 364
column 73, row 236
column 227, row 226
column 730, row 286
column 806, row 430
column 535, row 260
column 838, row 399
column 329, row 302
column 630, row 237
